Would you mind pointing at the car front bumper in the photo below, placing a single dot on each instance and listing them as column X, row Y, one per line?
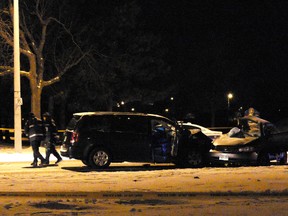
column 216, row 157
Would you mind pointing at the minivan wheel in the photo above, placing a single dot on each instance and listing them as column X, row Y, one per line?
column 194, row 158
column 85, row 162
column 99, row 158
column 190, row 158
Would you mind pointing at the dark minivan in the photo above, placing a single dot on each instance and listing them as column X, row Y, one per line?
column 99, row 138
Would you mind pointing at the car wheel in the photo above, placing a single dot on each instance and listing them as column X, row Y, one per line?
column 194, row 158
column 99, row 158
column 263, row 159
column 85, row 162
column 283, row 159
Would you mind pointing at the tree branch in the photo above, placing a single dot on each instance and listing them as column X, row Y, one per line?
column 51, row 81
column 5, row 70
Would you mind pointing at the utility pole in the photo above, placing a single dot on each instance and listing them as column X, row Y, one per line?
column 17, row 86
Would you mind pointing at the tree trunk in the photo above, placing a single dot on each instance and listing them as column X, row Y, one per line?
column 36, row 92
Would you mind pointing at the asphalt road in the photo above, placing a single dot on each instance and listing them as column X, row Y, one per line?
column 140, row 189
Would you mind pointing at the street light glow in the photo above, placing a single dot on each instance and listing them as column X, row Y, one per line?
column 229, row 97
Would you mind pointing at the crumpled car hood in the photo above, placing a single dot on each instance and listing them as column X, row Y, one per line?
column 225, row 140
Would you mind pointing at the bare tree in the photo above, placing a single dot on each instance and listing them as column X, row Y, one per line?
column 48, row 47
column 132, row 64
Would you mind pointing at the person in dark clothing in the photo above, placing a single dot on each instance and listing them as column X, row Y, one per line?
column 51, row 137
column 34, row 131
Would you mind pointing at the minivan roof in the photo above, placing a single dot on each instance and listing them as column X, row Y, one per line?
column 118, row 113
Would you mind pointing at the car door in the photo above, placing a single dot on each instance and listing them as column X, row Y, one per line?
column 130, row 139
column 163, row 138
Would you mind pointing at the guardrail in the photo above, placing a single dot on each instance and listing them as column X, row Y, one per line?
column 7, row 135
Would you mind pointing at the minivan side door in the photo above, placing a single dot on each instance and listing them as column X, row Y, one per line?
column 130, row 138
column 163, row 140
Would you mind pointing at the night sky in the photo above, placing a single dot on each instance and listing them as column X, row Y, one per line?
column 216, row 47
column 240, row 43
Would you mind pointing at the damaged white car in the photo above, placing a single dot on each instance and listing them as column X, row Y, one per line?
column 255, row 141
column 194, row 128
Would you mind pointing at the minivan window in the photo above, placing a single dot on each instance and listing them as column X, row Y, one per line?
column 130, row 124
column 98, row 123
column 156, row 123
column 168, row 130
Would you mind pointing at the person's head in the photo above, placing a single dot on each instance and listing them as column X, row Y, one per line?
column 46, row 116
column 31, row 115
column 251, row 111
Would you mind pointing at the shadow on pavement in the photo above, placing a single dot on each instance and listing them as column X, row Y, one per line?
column 49, row 165
column 146, row 167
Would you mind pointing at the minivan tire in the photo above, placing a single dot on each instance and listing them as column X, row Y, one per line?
column 85, row 162
column 194, row 158
column 99, row 158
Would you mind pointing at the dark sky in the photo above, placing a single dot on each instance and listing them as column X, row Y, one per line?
column 245, row 41
column 220, row 46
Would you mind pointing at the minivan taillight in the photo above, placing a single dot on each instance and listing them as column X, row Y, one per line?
column 74, row 137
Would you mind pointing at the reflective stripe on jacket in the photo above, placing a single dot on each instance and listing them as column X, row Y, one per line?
column 34, row 129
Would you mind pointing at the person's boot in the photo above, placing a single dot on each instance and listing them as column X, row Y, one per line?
column 43, row 163
column 34, row 164
column 58, row 160
column 46, row 162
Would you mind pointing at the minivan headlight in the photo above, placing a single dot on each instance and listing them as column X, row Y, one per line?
column 247, row 149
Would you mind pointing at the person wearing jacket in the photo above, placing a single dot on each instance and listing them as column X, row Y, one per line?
column 34, row 131
column 50, row 138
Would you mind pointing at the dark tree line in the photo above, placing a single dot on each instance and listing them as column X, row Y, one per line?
column 84, row 56
column 98, row 53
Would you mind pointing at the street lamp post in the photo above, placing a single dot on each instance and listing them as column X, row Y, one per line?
column 17, row 88
column 229, row 97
